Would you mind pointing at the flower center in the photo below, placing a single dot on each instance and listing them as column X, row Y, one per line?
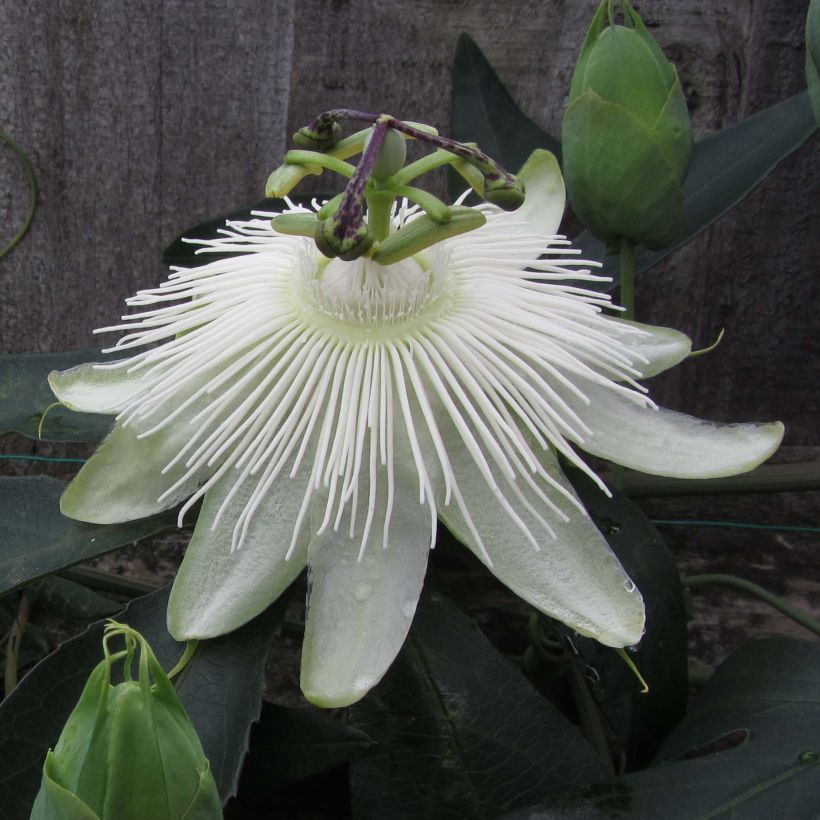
column 365, row 294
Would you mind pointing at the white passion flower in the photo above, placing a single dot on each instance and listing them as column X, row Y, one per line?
column 328, row 412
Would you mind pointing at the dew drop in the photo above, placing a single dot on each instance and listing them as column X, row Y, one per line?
column 629, row 585
column 363, row 683
column 363, row 591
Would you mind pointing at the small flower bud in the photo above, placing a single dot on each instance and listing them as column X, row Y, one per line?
column 505, row 192
column 128, row 751
column 348, row 245
column 626, row 137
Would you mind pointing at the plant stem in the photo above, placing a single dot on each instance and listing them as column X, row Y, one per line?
column 15, row 640
column 379, row 208
column 590, row 717
column 32, row 189
column 767, row 478
column 797, row 615
column 627, row 278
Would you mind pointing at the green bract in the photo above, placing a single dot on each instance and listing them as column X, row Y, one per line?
column 626, row 134
column 127, row 751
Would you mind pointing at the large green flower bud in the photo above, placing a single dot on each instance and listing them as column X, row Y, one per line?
column 626, row 136
column 127, row 751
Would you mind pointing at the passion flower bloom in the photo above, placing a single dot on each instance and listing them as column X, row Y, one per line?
column 327, row 412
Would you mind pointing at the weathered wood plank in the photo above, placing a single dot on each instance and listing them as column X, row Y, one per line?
column 141, row 119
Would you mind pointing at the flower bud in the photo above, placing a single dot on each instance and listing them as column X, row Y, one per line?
column 128, row 751
column 626, row 137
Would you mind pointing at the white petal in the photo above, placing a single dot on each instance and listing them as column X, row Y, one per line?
column 666, row 443
column 359, row 611
column 545, row 194
column 653, row 348
column 123, row 480
column 216, row 590
column 96, row 388
column 573, row 577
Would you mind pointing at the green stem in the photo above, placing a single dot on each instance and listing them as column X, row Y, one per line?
column 32, row 188
column 379, row 209
column 797, row 615
column 190, row 651
column 430, row 204
column 15, row 639
column 314, row 158
column 589, row 716
column 419, row 167
column 628, row 278
column 768, row 478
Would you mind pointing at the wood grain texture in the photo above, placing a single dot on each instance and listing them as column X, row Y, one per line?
column 144, row 119
column 141, row 119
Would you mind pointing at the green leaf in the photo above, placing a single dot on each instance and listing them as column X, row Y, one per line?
column 484, row 112
column 726, row 167
column 749, row 748
column 37, row 539
column 221, row 690
column 460, row 732
column 639, row 721
column 25, row 396
column 68, row 599
column 288, row 745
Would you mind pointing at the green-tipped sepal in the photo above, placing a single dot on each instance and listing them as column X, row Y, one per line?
column 128, row 751
column 627, row 137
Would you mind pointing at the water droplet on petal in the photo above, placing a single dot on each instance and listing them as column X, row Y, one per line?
column 363, row 683
column 362, row 591
column 629, row 585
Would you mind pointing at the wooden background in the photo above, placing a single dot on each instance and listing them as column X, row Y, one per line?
column 143, row 118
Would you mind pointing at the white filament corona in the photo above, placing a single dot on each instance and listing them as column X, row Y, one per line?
column 282, row 361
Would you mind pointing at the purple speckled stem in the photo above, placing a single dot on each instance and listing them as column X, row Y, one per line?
column 490, row 169
column 348, row 216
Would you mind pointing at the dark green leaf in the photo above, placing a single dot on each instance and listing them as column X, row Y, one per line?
column 639, row 721
column 288, row 745
column 221, row 689
column 748, row 749
column 68, row 599
column 484, row 112
column 726, row 167
column 36, row 539
column 460, row 732
column 25, row 395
